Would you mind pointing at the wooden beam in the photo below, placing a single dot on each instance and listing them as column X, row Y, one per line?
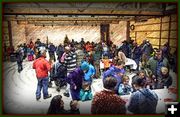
column 128, row 31
column 169, row 32
column 10, row 33
column 160, row 32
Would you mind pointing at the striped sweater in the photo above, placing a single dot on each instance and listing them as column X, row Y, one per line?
column 70, row 61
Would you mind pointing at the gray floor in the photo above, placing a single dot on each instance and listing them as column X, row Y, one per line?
column 19, row 92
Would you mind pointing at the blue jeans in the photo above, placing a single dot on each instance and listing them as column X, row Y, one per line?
column 42, row 84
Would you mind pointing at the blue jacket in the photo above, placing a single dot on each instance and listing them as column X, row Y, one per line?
column 143, row 101
column 90, row 72
column 52, row 48
column 124, row 89
column 113, row 72
column 136, row 54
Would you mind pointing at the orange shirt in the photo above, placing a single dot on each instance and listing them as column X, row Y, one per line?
column 107, row 63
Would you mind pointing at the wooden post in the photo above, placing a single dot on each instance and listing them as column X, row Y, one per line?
column 104, row 31
column 135, row 36
column 160, row 33
column 127, row 31
column 169, row 31
column 10, row 34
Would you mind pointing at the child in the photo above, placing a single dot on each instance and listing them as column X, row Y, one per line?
column 165, row 80
column 107, row 62
column 125, row 88
column 85, row 93
column 74, row 107
column 58, row 75
column 30, row 54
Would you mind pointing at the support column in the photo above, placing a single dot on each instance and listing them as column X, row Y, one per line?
column 104, row 31
column 128, row 31
column 169, row 31
column 160, row 33
column 10, row 34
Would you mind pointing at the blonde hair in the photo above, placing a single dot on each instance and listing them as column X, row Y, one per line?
column 164, row 70
column 125, row 77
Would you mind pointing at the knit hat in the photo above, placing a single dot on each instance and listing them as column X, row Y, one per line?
column 42, row 50
column 84, row 66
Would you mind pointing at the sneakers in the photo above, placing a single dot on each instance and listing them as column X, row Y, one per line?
column 48, row 96
column 66, row 94
column 58, row 89
column 37, row 98
column 50, row 85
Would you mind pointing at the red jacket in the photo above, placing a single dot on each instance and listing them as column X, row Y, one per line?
column 88, row 47
column 42, row 66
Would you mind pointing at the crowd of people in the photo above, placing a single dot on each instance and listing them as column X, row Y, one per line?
column 78, row 63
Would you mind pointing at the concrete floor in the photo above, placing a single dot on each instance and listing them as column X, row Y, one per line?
column 19, row 92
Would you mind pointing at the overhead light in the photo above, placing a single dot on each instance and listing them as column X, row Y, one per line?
column 75, row 23
column 92, row 15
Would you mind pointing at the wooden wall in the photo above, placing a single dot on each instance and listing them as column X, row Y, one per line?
column 23, row 32
column 118, row 32
column 157, row 30
column 55, row 34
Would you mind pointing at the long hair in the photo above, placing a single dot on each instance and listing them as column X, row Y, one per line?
column 55, row 105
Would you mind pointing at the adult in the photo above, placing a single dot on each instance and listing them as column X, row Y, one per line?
column 19, row 58
column 70, row 61
column 51, row 50
column 146, row 48
column 75, row 79
column 80, row 54
column 136, row 54
column 156, row 62
column 96, row 58
column 143, row 100
column 57, row 106
column 106, row 101
column 116, row 71
column 42, row 66
column 60, row 51
column 126, row 48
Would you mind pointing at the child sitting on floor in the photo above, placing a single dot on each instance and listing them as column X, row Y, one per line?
column 85, row 93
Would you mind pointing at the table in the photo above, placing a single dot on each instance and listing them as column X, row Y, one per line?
column 163, row 95
column 130, row 62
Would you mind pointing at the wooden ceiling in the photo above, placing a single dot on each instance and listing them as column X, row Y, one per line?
column 84, row 12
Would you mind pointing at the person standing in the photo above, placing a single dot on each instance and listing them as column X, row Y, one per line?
column 106, row 101
column 116, row 72
column 52, row 50
column 42, row 66
column 75, row 79
column 70, row 61
column 19, row 58
column 136, row 54
column 156, row 62
column 80, row 54
column 143, row 100
column 96, row 58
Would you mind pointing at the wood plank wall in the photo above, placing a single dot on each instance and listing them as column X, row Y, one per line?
column 157, row 30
